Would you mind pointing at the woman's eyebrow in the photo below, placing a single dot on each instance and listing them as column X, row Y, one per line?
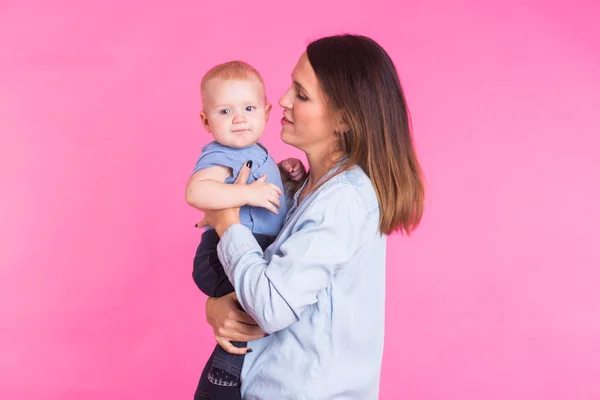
column 299, row 85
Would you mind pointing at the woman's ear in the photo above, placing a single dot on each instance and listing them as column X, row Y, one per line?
column 341, row 125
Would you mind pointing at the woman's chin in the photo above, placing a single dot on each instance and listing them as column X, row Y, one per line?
column 287, row 138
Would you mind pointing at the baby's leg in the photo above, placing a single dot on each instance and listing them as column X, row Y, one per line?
column 208, row 273
column 220, row 378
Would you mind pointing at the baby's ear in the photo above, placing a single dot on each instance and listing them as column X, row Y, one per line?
column 267, row 111
column 204, row 120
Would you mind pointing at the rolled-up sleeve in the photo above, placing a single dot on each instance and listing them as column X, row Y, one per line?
column 325, row 237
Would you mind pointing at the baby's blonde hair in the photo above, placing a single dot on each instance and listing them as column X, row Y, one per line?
column 234, row 70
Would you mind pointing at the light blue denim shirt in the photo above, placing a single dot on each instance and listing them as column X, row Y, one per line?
column 319, row 292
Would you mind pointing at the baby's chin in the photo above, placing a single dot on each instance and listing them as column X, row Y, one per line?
column 240, row 142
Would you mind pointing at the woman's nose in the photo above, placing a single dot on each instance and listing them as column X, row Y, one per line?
column 285, row 100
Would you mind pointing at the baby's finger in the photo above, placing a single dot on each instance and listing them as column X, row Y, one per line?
column 275, row 188
column 271, row 208
column 274, row 198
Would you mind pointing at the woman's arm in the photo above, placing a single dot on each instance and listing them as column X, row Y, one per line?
column 230, row 323
column 274, row 294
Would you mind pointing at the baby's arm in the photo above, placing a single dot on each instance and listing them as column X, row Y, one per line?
column 207, row 190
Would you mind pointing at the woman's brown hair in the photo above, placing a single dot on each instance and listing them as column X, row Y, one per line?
column 360, row 82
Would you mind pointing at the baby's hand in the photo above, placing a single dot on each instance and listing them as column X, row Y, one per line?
column 264, row 194
column 293, row 169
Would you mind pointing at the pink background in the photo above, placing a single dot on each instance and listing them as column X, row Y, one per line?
column 496, row 296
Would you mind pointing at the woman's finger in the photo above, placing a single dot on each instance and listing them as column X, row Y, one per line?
column 243, row 176
column 228, row 347
column 233, row 335
column 233, row 330
column 243, row 318
column 262, row 178
column 203, row 223
column 244, row 329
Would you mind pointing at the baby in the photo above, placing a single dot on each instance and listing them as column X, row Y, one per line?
column 235, row 111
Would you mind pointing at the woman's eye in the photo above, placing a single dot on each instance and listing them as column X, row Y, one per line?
column 303, row 98
column 250, row 108
column 224, row 112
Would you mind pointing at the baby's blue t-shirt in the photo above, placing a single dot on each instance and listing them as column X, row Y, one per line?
column 257, row 219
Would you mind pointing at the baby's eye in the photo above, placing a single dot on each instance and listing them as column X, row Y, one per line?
column 250, row 108
column 224, row 112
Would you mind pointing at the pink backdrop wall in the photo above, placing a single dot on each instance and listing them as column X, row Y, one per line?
column 496, row 295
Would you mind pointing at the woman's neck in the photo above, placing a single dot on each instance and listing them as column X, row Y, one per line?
column 319, row 166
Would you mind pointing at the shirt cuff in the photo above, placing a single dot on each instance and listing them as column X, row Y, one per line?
column 236, row 240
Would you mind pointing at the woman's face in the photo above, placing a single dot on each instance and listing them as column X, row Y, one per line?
column 308, row 122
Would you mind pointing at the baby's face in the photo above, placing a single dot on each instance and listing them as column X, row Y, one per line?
column 235, row 111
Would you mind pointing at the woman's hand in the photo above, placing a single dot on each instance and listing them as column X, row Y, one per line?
column 230, row 323
column 223, row 219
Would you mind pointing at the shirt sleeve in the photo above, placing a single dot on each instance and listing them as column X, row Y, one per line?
column 218, row 156
column 325, row 238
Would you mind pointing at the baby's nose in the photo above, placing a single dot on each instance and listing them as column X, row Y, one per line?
column 238, row 118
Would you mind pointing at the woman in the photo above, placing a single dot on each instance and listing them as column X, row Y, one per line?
column 318, row 290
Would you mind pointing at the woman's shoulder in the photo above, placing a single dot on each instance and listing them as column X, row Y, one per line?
column 353, row 182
